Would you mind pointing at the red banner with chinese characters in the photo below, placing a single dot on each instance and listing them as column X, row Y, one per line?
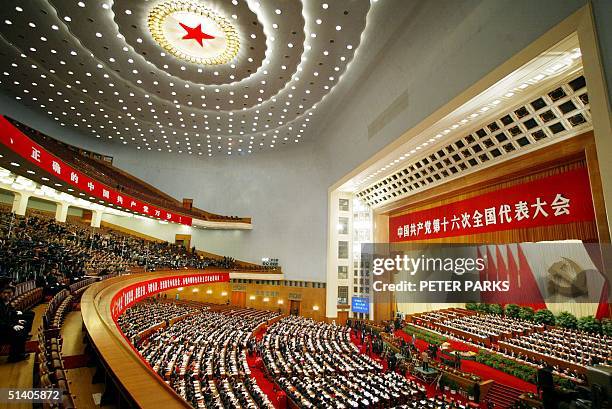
column 558, row 199
column 19, row 143
column 130, row 295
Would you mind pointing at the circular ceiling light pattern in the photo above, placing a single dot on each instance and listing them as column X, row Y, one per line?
column 193, row 33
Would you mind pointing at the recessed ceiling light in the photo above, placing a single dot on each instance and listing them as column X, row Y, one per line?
column 338, row 28
column 325, row 6
column 278, row 11
column 128, row 12
column 67, row 18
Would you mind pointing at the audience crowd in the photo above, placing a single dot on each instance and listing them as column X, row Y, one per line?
column 564, row 346
column 202, row 356
column 37, row 247
column 566, row 351
column 318, row 366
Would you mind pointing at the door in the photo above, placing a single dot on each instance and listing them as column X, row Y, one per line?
column 295, row 307
column 183, row 240
column 239, row 299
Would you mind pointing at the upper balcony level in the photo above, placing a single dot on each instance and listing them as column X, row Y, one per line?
column 121, row 185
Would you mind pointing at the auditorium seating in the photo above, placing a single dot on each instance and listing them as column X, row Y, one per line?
column 27, row 295
column 51, row 369
column 567, row 351
column 316, row 363
column 38, row 246
column 57, row 309
column 481, row 330
column 202, row 355
column 144, row 316
column 115, row 178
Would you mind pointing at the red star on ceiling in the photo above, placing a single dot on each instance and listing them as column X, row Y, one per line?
column 196, row 33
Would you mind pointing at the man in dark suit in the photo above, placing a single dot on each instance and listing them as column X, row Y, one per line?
column 14, row 325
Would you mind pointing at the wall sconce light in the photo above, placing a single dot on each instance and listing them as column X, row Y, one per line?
column 209, row 292
column 315, row 308
column 195, row 290
column 266, row 299
column 179, row 289
column 252, row 297
column 224, row 293
column 280, row 301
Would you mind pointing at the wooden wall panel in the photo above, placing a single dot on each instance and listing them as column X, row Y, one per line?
column 221, row 293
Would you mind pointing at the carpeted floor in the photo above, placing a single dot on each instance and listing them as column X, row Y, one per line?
column 264, row 383
column 431, row 390
column 485, row 372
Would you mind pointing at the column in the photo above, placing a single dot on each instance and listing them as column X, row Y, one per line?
column 593, row 35
column 61, row 211
column 20, row 203
column 96, row 218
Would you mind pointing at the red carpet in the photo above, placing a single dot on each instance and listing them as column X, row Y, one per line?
column 419, row 343
column 356, row 339
column 264, row 383
column 259, row 332
column 484, row 371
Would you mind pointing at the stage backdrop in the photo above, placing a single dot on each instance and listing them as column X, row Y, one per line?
column 569, row 179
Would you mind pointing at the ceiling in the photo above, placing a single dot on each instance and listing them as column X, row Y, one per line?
column 540, row 103
column 96, row 67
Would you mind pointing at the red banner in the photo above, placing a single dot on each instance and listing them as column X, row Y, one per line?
column 558, row 199
column 130, row 295
column 19, row 143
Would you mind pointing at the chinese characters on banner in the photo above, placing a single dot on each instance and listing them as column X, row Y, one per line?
column 19, row 143
column 130, row 295
column 557, row 199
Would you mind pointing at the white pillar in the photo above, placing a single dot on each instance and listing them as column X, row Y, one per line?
column 20, row 203
column 96, row 218
column 61, row 211
column 331, row 301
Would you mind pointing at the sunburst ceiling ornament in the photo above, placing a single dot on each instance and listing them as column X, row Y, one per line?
column 193, row 33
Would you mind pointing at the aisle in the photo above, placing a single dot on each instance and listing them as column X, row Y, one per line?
column 264, row 383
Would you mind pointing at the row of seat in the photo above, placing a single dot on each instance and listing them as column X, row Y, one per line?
column 27, row 299
column 51, row 369
column 59, row 306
